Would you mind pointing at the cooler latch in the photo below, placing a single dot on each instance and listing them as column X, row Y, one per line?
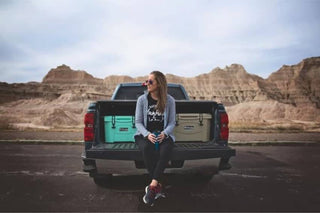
column 113, row 122
column 201, row 119
column 133, row 122
column 177, row 120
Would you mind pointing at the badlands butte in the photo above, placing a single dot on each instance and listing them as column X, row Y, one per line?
column 289, row 99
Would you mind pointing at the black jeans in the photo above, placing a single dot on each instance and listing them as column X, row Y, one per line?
column 155, row 161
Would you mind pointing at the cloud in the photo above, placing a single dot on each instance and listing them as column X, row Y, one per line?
column 184, row 38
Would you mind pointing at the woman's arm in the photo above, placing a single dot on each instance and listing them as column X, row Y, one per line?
column 171, row 117
column 139, row 117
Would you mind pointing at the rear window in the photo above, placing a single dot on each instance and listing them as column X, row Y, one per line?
column 177, row 93
column 129, row 93
column 133, row 92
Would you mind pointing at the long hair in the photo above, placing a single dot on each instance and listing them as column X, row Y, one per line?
column 162, row 90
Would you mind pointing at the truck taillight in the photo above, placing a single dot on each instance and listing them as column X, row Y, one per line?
column 224, row 128
column 88, row 127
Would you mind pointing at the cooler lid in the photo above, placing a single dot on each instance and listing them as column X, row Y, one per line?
column 118, row 118
column 193, row 116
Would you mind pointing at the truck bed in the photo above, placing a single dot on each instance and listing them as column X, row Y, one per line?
column 127, row 108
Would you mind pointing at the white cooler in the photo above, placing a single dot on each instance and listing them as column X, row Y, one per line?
column 193, row 127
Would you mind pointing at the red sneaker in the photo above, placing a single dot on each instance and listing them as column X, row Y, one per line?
column 152, row 193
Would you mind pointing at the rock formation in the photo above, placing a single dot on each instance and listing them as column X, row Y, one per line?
column 298, row 84
column 231, row 85
column 60, row 100
column 65, row 75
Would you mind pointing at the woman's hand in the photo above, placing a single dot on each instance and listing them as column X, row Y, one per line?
column 152, row 138
column 160, row 138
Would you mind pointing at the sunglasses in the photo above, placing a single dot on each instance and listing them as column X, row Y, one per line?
column 149, row 81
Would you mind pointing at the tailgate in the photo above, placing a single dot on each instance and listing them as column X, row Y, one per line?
column 181, row 151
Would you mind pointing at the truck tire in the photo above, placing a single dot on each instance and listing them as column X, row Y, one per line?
column 102, row 179
column 205, row 177
column 224, row 164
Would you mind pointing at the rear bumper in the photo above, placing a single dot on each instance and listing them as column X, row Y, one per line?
column 116, row 167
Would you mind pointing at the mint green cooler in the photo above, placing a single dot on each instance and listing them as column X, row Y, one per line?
column 119, row 129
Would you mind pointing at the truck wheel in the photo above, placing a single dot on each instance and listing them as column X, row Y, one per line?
column 205, row 177
column 102, row 180
column 224, row 164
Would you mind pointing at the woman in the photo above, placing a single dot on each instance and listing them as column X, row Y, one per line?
column 155, row 121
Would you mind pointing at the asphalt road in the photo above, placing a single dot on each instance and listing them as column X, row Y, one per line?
column 263, row 178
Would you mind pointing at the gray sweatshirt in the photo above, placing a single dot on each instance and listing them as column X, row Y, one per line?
column 169, row 116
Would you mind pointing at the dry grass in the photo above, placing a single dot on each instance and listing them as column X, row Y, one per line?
column 274, row 127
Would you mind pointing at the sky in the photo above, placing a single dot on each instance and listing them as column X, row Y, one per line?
column 134, row 37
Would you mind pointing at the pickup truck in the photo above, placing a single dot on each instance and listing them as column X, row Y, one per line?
column 201, row 132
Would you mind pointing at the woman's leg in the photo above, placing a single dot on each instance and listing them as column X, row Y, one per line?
column 159, row 161
column 148, row 153
column 165, row 150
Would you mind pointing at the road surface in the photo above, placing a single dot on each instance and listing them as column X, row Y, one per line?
column 263, row 178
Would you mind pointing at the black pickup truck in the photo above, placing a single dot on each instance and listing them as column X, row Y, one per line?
column 201, row 135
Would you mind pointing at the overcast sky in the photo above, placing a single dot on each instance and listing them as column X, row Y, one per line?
column 134, row 37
